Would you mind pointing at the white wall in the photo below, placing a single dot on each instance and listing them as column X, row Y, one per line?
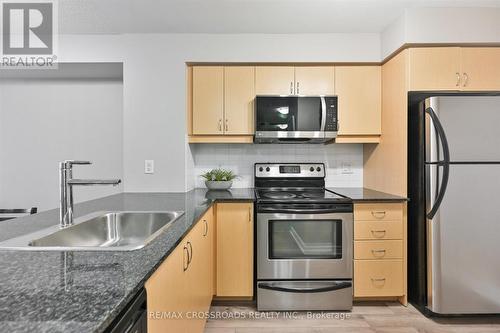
column 344, row 163
column 44, row 120
column 442, row 25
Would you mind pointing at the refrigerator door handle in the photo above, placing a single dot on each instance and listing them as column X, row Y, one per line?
column 445, row 163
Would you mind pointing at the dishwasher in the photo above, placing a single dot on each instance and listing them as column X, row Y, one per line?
column 133, row 318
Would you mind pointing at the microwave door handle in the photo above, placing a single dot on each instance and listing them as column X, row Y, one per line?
column 323, row 114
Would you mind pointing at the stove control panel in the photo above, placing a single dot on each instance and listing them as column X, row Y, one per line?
column 290, row 170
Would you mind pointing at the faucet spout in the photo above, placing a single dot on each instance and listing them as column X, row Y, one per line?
column 67, row 182
column 89, row 182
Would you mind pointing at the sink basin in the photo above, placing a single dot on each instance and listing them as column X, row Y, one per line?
column 112, row 231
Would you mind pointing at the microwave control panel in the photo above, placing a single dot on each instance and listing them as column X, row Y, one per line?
column 331, row 114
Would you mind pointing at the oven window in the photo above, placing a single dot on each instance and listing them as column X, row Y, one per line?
column 304, row 239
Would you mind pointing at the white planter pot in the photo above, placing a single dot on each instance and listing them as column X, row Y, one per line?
column 215, row 185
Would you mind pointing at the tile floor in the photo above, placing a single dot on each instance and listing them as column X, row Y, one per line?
column 364, row 318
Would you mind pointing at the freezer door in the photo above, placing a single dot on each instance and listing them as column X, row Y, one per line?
column 471, row 124
column 464, row 243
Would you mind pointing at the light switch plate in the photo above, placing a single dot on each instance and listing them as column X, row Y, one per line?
column 149, row 166
column 346, row 168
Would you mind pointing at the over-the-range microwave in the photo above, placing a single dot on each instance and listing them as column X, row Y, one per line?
column 295, row 119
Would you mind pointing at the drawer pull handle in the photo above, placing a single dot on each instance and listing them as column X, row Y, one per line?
column 378, row 279
column 378, row 251
column 381, row 233
column 379, row 215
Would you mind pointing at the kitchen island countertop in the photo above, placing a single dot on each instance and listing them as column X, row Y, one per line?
column 56, row 291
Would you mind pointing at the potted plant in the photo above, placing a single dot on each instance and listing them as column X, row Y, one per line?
column 219, row 179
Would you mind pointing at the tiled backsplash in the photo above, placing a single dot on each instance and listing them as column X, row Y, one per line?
column 344, row 162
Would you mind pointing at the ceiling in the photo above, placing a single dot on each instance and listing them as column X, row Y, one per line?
column 240, row 16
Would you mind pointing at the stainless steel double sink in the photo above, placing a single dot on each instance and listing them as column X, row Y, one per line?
column 101, row 231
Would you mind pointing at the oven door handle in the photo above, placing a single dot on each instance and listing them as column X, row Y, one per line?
column 335, row 286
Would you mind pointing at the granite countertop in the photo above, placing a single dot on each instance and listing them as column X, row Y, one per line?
column 360, row 194
column 84, row 291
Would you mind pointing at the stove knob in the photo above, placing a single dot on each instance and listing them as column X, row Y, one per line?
column 261, row 169
column 311, row 169
column 268, row 169
column 318, row 169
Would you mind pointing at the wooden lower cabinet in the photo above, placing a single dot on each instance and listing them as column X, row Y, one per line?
column 380, row 251
column 382, row 278
column 182, row 287
column 180, row 291
column 166, row 294
column 235, row 249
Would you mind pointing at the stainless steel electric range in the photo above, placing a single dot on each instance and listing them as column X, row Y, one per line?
column 304, row 240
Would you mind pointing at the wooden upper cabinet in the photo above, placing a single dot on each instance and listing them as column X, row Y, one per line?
column 235, row 249
column 208, row 100
column 314, row 80
column 274, row 80
column 434, row 68
column 359, row 99
column 480, row 68
column 239, row 94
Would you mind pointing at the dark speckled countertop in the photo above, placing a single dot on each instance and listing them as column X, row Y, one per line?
column 85, row 291
column 360, row 194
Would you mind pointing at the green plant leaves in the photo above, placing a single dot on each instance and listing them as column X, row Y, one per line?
column 219, row 175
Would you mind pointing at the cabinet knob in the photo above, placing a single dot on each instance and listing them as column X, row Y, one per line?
column 227, row 125
column 466, row 79
column 291, row 88
column 298, row 91
column 220, row 125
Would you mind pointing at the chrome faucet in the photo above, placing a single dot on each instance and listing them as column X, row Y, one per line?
column 67, row 182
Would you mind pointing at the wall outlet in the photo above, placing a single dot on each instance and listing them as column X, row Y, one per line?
column 149, row 166
column 346, row 168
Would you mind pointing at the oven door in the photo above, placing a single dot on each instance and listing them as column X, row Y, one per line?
column 297, row 245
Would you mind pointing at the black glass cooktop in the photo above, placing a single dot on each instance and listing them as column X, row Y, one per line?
column 297, row 195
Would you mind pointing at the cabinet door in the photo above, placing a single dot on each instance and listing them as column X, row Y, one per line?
column 274, row 80
column 208, row 100
column 166, row 294
column 235, row 249
column 207, row 256
column 314, row 80
column 480, row 68
column 197, row 278
column 239, row 95
column 435, row 68
column 359, row 91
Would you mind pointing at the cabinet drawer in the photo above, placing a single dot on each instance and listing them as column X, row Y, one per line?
column 378, row 230
column 378, row 278
column 386, row 249
column 378, row 212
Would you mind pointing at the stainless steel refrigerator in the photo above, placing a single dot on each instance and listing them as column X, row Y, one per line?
column 454, row 210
